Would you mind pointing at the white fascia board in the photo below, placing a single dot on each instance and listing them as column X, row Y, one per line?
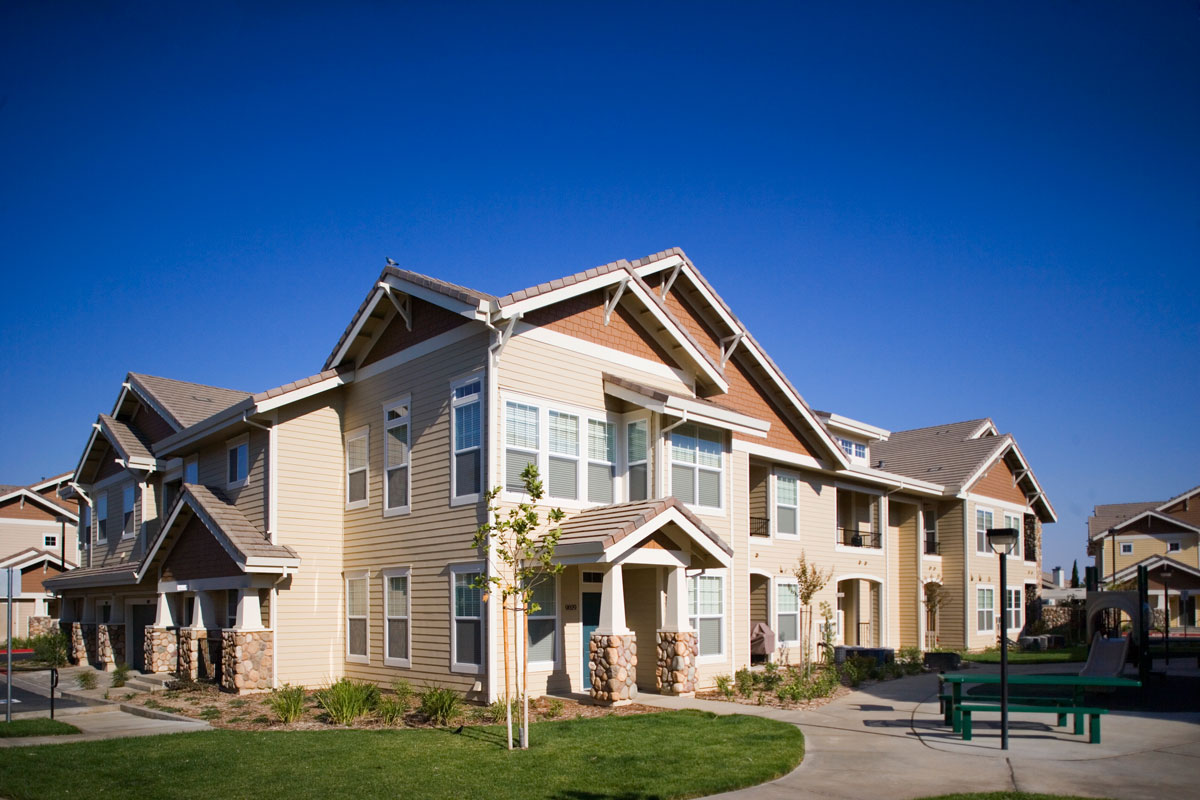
column 204, row 428
column 854, row 427
column 898, row 482
column 88, row 447
column 1116, row 529
column 272, row 563
column 1178, row 498
column 37, row 498
column 698, row 357
column 997, row 453
column 469, row 310
column 356, row 327
column 455, row 334
column 55, row 481
column 35, row 558
column 776, row 454
column 272, row 403
column 1040, row 495
column 1152, row 562
column 158, row 540
column 986, row 427
column 692, row 410
column 635, row 538
column 718, row 306
column 618, row 358
column 558, row 295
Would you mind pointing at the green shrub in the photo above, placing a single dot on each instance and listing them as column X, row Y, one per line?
column 211, row 713
column 404, row 692
column 554, row 708
column 120, row 676
column 287, row 702
column 745, row 682
column 392, row 710
column 442, row 705
column 86, row 680
column 770, row 678
column 50, row 648
column 856, row 669
column 345, row 700
column 725, row 686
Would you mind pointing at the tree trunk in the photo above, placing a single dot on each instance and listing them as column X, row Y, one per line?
column 525, row 683
column 507, row 678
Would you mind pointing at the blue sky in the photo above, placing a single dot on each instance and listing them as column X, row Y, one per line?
column 926, row 212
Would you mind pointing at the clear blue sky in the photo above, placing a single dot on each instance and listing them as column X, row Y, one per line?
column 925, row 213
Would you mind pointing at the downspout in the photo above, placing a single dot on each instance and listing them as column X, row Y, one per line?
column 966, row 578
column 269, row 467
column 489, row 379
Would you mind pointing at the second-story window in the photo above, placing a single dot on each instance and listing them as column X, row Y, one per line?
column 1014, row 521
column 396, row 456
column 238, row 463
column 853, row 449
column 102, row 519
column 128, row 497
column 50, row 540
column 191, row 470
column 637, row 445
column 520, row 442
column 983, row 521
column 85, row 525
column 563, row 466
column 696, row 459
column 467, row 419
column 358, row 457
column 787, row 498
column 932, row 547
column 602, row 460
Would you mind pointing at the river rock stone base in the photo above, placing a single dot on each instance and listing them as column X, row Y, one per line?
column 40, row 626
column 676, row 673
column 162, row 649
column 110, row 646
column 612, row 661
column 246, row 660
column 81, row 641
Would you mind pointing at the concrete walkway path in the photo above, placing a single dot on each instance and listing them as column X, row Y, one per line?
column 887, row 742
column 108, row 723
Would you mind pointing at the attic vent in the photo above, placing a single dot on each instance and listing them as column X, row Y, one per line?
column 934, row 469
column 200, row 399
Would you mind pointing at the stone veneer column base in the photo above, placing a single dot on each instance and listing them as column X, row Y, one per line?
column 189, row 656
column 40, row 626
column 612, row 661
column 676, row 672
column 246, row 660
column 110, row 646
column 162, row 648
column 76, row 645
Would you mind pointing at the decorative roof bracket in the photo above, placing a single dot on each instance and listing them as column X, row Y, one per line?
column 614, row 298
column 402, row 302
column 670, row 281
column 727, row 349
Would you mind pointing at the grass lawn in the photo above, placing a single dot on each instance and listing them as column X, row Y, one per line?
column 1062, row 656
column 666, row 755
column 41, row 726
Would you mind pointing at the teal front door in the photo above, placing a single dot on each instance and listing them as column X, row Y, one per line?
column 591, row 620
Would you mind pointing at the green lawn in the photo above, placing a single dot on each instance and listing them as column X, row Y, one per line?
column 667, row 755
column 41, row 726
column 1062, row 656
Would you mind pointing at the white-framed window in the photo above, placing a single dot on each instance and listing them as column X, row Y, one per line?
column 854, row 449
column 237, row 471
column 466, row 627
column 85, row 525
column 706, row 613
column 397, row 472
column 1126, row 548
column 637, row 454
column 1014, row 521
column 697, row 458
column 983, row 521
column 543, row 626
column 787, row 612
column 562, row 471
column 1014, row 609
column 191, row 470
column 985, row 609
column 358, row 460
column 466, row 419
column 397, row 634
column 1173, row 547
column 521, row 442
column 787, row 500
column 50, row 540
column 929, row 520
column 357, row 611
column 128, row 498
column 602, row 461
column 102, row 518
column 231, row 605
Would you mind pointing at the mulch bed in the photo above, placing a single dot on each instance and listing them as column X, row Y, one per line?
column 767, row 698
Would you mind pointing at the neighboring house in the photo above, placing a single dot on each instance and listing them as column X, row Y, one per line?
column 1055, row 590
column 324, row 528
column 38, row 536
column 1164, row 537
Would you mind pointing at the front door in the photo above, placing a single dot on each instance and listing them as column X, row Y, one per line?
column 142, row 616
column 590, row 606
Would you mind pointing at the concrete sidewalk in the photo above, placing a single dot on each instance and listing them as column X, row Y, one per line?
column 108, row 723
column 887, row 742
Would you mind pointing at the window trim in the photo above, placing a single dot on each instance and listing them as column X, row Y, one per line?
column 361, row 432
column 1123, row 551
column 987, row 550
column 694, row 619
column 587, row 460
column 46, row 537
column 357, row 575
column 991, row 588
column 129, row 495
column 387, row 574
column 102, row 518
column 406, row 401
column 1175, row 546
column 776, row 474
column 234, row 444
column 625, row 422
column 1020, row 608
column 578, row 458
column 1018, row 548
column 456, row 403
column 453, row 570
column 776, row 613
column 718, row 510
column 557, row 662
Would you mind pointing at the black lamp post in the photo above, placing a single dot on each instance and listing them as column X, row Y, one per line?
column 1001, row 540
column 1164, row 574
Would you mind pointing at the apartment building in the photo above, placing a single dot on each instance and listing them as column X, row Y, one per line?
column 324, row 528
column 38, row 537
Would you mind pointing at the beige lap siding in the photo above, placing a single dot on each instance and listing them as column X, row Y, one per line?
column 952, row 611
column 309, row 644
column 907, row 594
column 20, row 534
column 984, row 569
column 433, row 534
column 116, row 548
column 213, row 468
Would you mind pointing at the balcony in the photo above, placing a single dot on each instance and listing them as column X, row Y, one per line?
column 932, row 546
column 760, row 526
column 852, row 537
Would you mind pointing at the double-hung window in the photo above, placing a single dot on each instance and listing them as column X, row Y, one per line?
column 102, row 519
column 637, row 448
column 521, row 441
column 706, row 612
column 85, row 525
column 929, row 517
column 238, row 458
column 787, row 612
column 787, row 498
column 128, row 497
column 696, row 465
column 1014, row 618
column 983, row 521
column 602, row 461
column 356, row 618
column 358, row 457
column 563, row 465
column 467, row 419
column 397, row 641
column 985, row 609
column 466, row 630
column 396, row 430
column 543, row 626
column 1014, row 521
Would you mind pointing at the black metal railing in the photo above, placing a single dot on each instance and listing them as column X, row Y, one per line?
column 932, row 546
column 852, row 537
column 760, row 526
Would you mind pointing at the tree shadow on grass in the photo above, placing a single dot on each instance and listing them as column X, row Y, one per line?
column 478, row 733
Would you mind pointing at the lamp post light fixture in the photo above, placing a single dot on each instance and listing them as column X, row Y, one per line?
column 1002, row 540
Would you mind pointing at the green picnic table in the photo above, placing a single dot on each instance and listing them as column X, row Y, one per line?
column 953, row 711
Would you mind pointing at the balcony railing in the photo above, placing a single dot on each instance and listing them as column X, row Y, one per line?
column 852, row 537
column 932, row 546
column 760, row 526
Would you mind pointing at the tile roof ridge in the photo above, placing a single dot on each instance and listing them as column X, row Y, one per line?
column 177, row 380
column 437, row 283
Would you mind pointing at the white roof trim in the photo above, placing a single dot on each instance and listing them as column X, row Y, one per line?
column 1151, row 512
column 27, row 559
column 55, row 481
column 145, row 397
column 1179, row 498
column 468, row 310
column 37, row 498
column 692, row 410
column 672, row 514
column 987, row 427
column 185, row 500
column 272, row 403
column 855, row 427
column 1152, row 562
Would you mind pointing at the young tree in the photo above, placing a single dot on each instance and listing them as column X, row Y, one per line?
column 524, row 560
column 810, row 579
column 1075, row 574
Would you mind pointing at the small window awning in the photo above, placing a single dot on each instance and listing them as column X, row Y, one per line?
column 611, row 534
column 701, row 412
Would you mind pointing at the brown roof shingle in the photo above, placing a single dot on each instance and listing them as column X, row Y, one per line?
column 940, row 454
column 188, row 403
column 607, row 525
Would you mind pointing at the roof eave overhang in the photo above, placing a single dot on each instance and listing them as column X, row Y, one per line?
column 177, row 442
column 68, row 581
column 598, row 552
column 1116, row 530
column 1152, row 563
column 49, row 505
column 691, row 410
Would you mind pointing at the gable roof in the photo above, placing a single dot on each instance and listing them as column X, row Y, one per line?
column 1151, row 563
column 604, row 532
column 1195, row 490
column 47, row 503
column 127, row 440
column 121, row 573
column 186, row 403
column 34, row 555
column 1105, row 517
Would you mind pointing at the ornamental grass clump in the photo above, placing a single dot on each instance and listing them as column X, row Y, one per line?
column 441, row 705
column 287, row 702
column 120, row 676
column 392, row 710
column 347, row 700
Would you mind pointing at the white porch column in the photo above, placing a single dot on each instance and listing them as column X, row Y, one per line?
column 612, row 603
column 89, row 610
column 204, row 611
column 164, row 615
column 249, row 611
column 116, row 614
column 676, row 618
